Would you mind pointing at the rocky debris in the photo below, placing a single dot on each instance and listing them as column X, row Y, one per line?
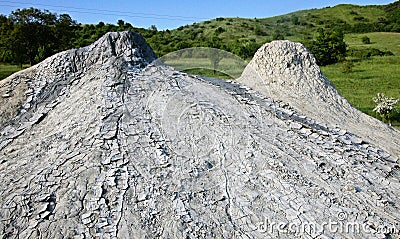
column 287, row 72
column 125, row 148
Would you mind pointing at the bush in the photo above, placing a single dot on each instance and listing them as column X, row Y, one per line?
column 353, row 13
column 295, row 20
column 365, row 40
column 219, row 30
column 259, row 32
column 329, row 47
column 361, row 18
column 385, row 106
column 278, row 36
column 367, row 52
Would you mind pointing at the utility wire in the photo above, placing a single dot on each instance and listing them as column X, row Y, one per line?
column 105, row 12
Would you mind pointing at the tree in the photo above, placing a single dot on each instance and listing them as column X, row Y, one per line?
column 295, row 20
column 30, row 33
column 36, row 34
column 5, row 37
column 258, row 31
column 100, row 25
column 121, row 24
column 153, row 28
column 329, row 47
column 63, row 32
column 385, row 106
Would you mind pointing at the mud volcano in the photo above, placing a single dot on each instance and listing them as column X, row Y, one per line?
column 103, row 142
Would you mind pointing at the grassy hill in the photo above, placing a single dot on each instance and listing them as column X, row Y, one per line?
column 368, row 76
column 234, row 34
column 376, row 74
column 242, row 37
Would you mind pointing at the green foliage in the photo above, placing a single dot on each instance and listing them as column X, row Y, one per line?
column 153, row 28
column 347, row 66
column 367, row 52
column 259, row 32
column 219, row 30
column 277, row 35
column 366, row 40
column 360, row 18
column 329, row 47
column 393, row 13
column 385, row 106
column 369, row 76
column 295, row 20
column 30, row 35
column 234, row 33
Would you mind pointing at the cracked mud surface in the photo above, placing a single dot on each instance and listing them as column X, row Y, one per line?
column 120, row 148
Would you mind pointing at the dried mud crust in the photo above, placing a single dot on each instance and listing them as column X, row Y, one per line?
column 130, row 149
column 287, row 71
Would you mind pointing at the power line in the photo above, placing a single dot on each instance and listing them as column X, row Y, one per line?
column 106, row 12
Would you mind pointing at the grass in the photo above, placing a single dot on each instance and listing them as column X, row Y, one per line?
column 262, row 30
column 228, row 68
column 209, row 73
column 380, row 74
column 379, row 40
column 7, row 69
column 368, row 76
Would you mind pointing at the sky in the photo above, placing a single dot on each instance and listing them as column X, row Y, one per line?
column 171, row 14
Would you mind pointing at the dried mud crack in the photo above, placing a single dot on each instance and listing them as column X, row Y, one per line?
column 110, row 144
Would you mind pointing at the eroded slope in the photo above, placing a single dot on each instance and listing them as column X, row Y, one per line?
column 137, row 150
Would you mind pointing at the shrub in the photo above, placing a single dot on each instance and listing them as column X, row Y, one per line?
column 365, row 40
column 278, row 36
column 367, row 52
column 295, row 20
column 259, row 32
column 385, row 107
column 353, row 13
column 361, row 18
column 219, row 30
column 329, row 47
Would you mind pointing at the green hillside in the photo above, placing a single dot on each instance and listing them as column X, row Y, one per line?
column 376, row 74
column 370, row 68
column 243, row 36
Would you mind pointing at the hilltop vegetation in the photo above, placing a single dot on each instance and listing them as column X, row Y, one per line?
column 239, row 36
column 368, row 76
column 369, row 68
